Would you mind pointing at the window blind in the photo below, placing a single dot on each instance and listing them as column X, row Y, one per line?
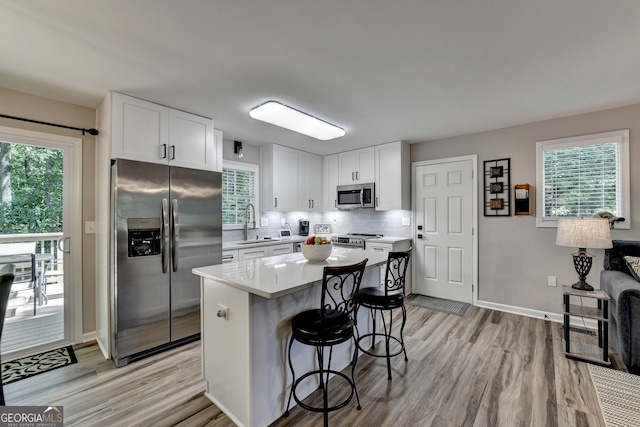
column 238, row 190
column 582, row 180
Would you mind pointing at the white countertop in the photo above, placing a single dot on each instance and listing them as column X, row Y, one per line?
column 273, row 277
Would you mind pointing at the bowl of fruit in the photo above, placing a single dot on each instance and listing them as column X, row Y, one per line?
column 316, row 248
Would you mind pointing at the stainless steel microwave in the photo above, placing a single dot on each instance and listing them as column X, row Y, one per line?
column 356, row 196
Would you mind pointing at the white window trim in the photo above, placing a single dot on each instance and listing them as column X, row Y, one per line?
column 249, row 167
column 574, row 141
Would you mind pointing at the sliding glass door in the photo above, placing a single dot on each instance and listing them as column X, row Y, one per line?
column 39, row 216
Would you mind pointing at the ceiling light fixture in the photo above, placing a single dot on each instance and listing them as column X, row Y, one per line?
column 289, row 118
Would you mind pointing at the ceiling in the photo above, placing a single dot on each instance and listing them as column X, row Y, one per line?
column 412, row 70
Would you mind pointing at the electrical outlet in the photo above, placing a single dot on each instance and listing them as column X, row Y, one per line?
column 551, row 281
column 264, row 222
column 406, row 221
column 283, row 222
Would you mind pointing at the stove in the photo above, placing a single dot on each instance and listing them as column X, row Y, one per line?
column 352, row 240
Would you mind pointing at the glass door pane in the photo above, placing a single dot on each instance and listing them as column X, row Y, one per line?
column 31, row 223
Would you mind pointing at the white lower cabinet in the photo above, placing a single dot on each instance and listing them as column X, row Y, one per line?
column 263, row 251
column 401, row 245
column 252, row 253
column 379, row 247
column 285, row 248
column 229, row 256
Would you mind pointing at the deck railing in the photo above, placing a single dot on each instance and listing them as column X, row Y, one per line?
column 46, row 243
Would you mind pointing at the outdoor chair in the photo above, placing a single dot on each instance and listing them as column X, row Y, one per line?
column 27, row 276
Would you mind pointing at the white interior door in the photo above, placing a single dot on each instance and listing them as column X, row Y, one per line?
column 445, row 218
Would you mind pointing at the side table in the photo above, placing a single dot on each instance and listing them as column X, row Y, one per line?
column 601, row 314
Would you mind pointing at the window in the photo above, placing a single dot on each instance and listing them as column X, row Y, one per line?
column 239, row 188
column 581, row 176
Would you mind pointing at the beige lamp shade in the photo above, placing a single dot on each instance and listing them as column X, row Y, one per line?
column 594, row 233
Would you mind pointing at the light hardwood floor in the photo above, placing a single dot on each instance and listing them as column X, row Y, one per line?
column 486, row 368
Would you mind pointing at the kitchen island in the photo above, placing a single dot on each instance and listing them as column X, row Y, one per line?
column 246, row 326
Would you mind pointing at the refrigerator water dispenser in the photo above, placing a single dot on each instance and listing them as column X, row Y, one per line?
column 143, row 236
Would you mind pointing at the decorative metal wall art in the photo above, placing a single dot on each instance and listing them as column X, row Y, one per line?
column 497, row 187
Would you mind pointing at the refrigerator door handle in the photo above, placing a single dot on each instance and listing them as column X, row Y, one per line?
column 175, row 231
column 165, row 234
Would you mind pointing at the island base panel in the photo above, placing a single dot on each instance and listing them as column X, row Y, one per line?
column 252, row 351
column 225, row 349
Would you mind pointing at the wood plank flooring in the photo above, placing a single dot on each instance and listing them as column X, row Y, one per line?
column 487, row 368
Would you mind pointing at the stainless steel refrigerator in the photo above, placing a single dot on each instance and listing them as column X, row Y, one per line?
column 165, row 221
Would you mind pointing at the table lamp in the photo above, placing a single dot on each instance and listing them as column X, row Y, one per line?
column 583, row 233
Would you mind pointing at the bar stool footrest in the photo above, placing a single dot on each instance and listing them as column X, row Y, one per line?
column 330, row 408
column 383, row 336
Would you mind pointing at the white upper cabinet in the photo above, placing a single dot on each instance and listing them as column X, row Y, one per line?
column 149, row 132
column 291, row 179
column 279, row 178
column 357, row 166
column 140, row 130
column 393, row 176
column 330, row 182
column 309, row 182
column 191, row 141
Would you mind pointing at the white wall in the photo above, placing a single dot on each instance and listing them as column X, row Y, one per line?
column 515, row 257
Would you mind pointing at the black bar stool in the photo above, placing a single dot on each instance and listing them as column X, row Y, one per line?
column 386, row 297
column 327, row 326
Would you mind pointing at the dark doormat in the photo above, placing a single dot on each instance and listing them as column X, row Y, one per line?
column 438, row 304
column 29, row 366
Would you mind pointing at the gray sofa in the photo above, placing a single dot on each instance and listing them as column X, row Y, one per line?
column 624, row 306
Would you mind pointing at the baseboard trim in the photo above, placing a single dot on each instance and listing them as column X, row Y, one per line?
column 528, row 312
column 89, row 336
column 538, row 314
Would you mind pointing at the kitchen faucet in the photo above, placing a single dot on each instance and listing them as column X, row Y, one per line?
column 246, row 220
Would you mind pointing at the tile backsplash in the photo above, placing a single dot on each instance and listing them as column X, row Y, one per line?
column 369, row 221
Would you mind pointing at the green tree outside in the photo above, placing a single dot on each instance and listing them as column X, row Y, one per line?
column 31, row 180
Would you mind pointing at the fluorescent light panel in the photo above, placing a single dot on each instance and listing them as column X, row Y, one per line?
column 289, row 118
